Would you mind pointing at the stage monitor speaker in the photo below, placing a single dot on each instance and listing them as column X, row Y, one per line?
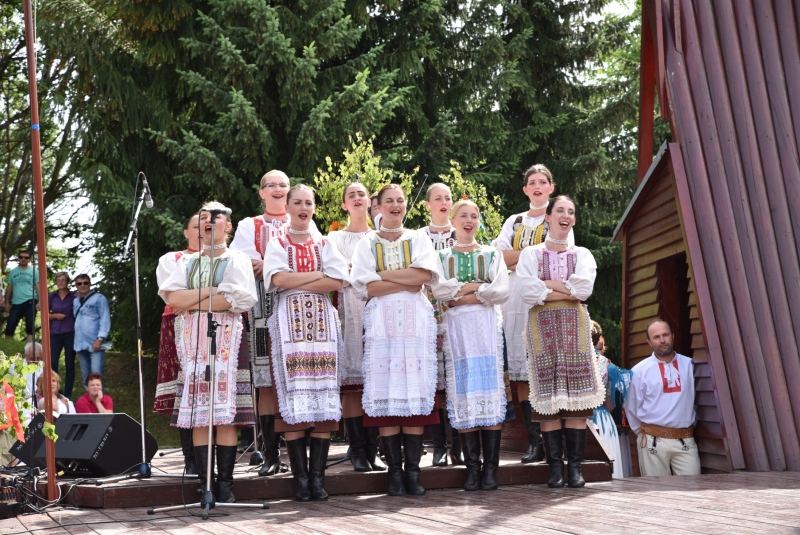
column 26, row 451
column 99, row 445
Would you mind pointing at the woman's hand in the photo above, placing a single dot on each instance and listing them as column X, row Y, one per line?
column 469, row 299
column 57, row 317
column 258, row 268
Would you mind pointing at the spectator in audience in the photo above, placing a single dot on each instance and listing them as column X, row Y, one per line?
column 62, row 329
column 92, row 323
column 33, row 354
column 21, row 296
column 94, row 400
column 61, row 404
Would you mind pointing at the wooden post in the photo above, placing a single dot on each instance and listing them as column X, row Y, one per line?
column 647, row 90
column 41, row 244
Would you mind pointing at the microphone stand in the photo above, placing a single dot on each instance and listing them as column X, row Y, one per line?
column 144, row 471
column 207, row 502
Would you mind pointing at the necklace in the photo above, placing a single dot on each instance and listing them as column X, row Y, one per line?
column 274, row 215
column 542, row 207
column 445, row 227
column 294, row 231
column 216, row 247
column 470, row 244
column 391, row 230
column 557, row 242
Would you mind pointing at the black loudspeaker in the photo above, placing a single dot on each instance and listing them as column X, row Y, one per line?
column 99, row 445
column 26, row 451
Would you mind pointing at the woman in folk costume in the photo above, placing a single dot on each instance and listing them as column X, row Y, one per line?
column 363, row 441
column 520, row 231
column 565, row 384
column 474, row 283
column 252, row 236
column 169, row 365
column 439, row 202
column 389, row 268
column 615, row 380
column 302, row 268
column 233, row 293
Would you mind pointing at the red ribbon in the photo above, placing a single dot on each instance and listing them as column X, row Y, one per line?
column 12, row 416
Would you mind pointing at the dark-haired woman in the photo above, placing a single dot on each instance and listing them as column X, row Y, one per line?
column 390, row 267
column 169, row 364
column 363, row 441
column 474, row 282
column 302, row 268
column 565, row 384
column 234, row 292
column 518, row 232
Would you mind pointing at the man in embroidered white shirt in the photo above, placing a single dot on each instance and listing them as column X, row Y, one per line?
column 660, row 408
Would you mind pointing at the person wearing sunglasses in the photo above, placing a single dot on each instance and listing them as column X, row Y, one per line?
column 21, row 296
column 92, row 324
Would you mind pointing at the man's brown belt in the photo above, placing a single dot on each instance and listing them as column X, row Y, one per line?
column 668, row 432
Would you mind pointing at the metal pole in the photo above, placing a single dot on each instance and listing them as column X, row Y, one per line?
column 41, row 243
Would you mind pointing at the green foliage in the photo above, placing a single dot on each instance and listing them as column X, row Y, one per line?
column 330, row 183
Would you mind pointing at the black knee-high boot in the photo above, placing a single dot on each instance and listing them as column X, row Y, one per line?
column 576, row 440
column 555, row 457
column 456, row 455
column 371, row 449
column 535, row 451
column 356, row 436
column 187, row 446
column 471, row 445
column 201, row 454
column 317, row 463
column 412, row 448
column 226, row 461
column 491, row 458
column 298, row 461
column 272, row 452
column 439, row 434
column 392, row 449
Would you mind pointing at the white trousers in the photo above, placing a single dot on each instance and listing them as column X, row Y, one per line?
column 667, row 456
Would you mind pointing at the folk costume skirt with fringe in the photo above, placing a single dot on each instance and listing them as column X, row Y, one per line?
column 169, row 366
column 400, row 368
column 473, row 345
column 563, row 377
column 233, row 399
column 306, row 342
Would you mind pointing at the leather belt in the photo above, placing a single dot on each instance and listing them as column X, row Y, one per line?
column 668, row 432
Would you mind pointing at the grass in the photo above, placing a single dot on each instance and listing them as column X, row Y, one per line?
column 122, row 384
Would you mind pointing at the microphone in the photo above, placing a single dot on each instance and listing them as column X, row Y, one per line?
column 148, row 198
column 217, row 211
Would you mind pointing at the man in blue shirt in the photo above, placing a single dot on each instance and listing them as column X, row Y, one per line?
column 21, row 296
column 92, row 323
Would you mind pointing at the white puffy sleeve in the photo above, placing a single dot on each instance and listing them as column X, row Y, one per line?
column 333, row 263
column 445, row 289
column 166, row 265
column 177, row 279
column 364, row 268
column 496, row 291
column 581, row 283
column 424, row 256
column 532, row 289
column 244, row 239
column 505, row 240
column 276, row 260
column 238, row 284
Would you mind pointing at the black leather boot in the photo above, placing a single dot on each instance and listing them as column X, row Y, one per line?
column 412, row 447
column 371, row 449
column 190, row 466
column 471, row 445
column 392, row 449
column 555, row 458
column 298, row 461
column 491, row 458
column 226, row 461
column 456, row 456
column 576, row 440
column 356, row 436
column 535, row 451
column 201, row 459
column 317, row 462
column 272, row 452
column 439, row 434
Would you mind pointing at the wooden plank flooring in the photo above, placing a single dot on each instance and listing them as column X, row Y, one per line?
column 763, row 503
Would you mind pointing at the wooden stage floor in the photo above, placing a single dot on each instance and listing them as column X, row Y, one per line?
column 730, row 504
